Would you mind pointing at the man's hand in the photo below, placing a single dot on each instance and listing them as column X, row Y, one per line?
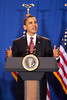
column 9, row 52
column 56, row 52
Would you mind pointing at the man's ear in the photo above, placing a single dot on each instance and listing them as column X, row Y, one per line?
column 24, row 26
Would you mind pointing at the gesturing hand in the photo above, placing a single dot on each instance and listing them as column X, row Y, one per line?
column 56, row 52
column 9, row 52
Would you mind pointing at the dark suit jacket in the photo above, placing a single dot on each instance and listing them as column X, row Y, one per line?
column 44, row 49
column 43, row 46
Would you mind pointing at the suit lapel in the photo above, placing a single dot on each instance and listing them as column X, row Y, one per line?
column 37, row 40
column 25, row 41
column 24, row 45
column 38, row 43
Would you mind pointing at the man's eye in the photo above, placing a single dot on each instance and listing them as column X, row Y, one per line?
column 30, row 22
column 35, row 21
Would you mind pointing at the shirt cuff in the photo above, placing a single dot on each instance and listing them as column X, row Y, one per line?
column 57, row 57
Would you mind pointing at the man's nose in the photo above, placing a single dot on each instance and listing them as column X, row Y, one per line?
column 34, row 24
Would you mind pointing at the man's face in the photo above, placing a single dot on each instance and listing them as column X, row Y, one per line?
column 31, row 26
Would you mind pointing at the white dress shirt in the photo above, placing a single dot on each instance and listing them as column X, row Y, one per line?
column 28, row 39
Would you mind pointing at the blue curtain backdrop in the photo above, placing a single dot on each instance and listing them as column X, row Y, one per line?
column 52, row 21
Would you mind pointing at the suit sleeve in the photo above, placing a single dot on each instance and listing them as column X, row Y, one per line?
column 49, row 51
column 14, row 49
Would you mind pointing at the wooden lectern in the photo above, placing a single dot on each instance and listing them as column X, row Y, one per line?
column 31, row 79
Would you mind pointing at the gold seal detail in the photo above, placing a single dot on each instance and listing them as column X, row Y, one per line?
column 30, row 62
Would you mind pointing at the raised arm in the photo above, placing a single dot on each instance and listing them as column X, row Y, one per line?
column 9, row 52
column 56, row 52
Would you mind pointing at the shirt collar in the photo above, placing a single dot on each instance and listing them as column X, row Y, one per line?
column 34, row 36
column 28, row 38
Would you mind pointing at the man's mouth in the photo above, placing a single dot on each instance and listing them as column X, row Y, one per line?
column 34, row 28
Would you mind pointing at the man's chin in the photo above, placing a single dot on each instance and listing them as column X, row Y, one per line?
column 33, row 33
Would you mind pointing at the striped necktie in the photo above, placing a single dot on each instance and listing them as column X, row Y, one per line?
column 31, row 45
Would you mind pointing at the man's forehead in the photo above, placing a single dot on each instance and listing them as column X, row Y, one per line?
column 31, row 18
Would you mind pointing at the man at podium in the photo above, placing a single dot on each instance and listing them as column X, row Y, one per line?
column 32, row 41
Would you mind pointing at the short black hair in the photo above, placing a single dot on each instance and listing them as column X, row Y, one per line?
column 24, row 22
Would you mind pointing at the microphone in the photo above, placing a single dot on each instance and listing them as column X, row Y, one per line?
column 34, row 50
column 28, row 50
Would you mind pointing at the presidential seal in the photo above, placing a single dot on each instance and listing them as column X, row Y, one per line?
column 30, row 62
